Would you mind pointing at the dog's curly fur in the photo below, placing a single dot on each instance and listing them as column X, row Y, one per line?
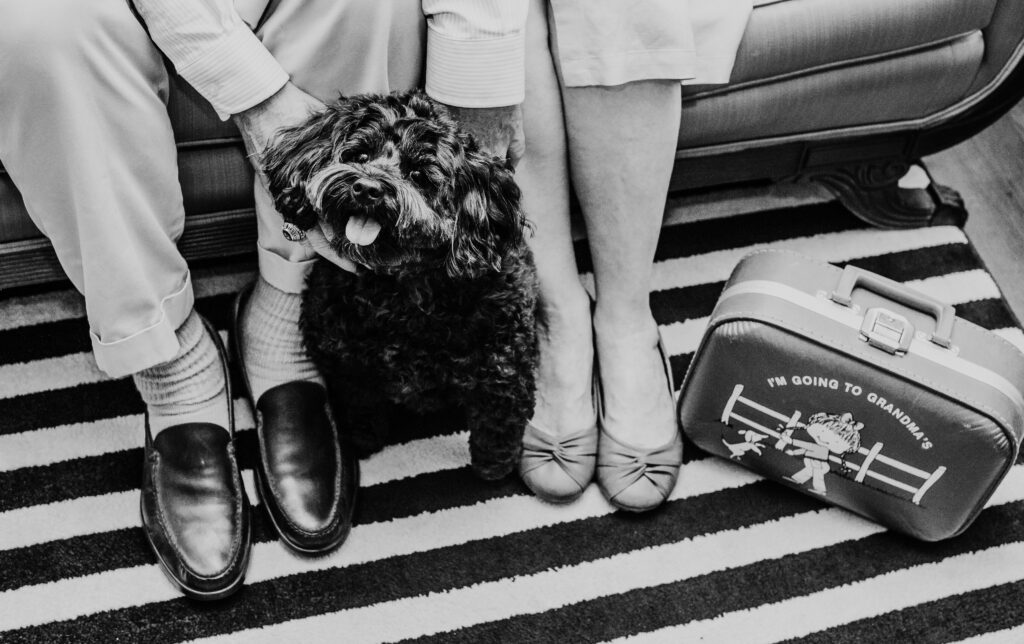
column 443, row 313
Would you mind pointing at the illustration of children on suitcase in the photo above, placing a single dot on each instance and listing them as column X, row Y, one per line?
column 830, row 434
column 823, row 439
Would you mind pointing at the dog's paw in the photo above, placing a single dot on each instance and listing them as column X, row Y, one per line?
column 493, row 471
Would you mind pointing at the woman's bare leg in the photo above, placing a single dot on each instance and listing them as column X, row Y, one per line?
column 621, row 149
column 564, row 380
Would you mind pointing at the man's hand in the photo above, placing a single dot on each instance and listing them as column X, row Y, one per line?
column 318, row 239
column 497, row 130
column 260, row 123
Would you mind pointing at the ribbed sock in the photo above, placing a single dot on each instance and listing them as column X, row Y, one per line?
column 272, row 345
column 188, row 388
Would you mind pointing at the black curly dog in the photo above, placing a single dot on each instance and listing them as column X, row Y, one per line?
column 442, row 314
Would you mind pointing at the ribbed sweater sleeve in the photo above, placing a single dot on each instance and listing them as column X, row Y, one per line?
column 475, row 51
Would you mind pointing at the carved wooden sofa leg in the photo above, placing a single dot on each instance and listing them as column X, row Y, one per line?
column 872, row 191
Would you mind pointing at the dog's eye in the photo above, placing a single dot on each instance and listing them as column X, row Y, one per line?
column 415, row 175
column 362, row 158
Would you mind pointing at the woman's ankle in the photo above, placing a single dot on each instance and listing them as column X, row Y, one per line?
column 637, row 400
column 568, row 307
column 614, row 323
column 565, row 369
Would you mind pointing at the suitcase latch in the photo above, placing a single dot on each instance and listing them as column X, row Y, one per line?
column 888, row 331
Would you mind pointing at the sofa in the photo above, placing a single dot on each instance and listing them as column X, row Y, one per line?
column 847, row 94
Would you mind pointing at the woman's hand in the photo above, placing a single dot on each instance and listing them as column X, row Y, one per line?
column 260, row 124
column 497, row 130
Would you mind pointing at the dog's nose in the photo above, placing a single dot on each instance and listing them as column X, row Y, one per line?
column 367, row 190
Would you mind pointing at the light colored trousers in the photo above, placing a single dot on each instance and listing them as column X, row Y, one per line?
column 84, row 134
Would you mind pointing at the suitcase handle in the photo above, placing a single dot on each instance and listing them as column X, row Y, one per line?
column 854, row 277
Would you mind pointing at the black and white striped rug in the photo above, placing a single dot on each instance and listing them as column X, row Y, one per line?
column 438, row 555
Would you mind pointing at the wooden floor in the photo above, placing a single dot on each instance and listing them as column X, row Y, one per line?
column 988, row 170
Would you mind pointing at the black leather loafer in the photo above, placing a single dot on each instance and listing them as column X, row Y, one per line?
column 194, row 510
column 307, row 482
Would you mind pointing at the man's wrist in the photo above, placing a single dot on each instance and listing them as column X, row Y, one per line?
column 259, row 109
column 286, row 107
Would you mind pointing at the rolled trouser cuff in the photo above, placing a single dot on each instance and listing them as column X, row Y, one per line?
column 152, row 345
column 282, row 273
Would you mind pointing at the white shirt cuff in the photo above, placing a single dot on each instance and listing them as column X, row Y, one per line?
column 236, row 73
column 476, row 73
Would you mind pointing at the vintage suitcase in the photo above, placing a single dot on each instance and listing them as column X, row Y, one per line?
column 856, row 389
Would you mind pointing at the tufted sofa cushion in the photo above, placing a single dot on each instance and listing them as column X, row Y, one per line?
column 841, row 63
column 214, row 172
column 823, row 33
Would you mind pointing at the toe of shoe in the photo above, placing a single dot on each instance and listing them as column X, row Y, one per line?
column 202, row 576
column 639, row 492
column 313, row 543
column 552, row 483
column 211, row 587
column 641, row 496
column 311, row 520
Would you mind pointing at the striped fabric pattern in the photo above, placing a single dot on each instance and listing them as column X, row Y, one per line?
column 438, row 555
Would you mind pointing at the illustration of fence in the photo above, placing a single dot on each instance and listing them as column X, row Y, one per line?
column 873, row 459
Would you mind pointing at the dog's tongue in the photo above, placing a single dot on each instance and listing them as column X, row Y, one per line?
column 362, row 230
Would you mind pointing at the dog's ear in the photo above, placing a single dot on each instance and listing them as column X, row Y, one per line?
column 292, row 157
column 489, row 218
